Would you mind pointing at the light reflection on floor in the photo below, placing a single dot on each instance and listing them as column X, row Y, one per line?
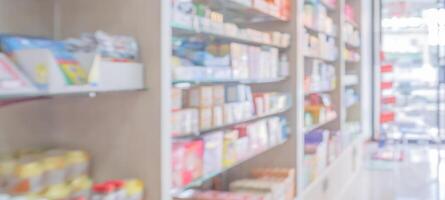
column 418, row 177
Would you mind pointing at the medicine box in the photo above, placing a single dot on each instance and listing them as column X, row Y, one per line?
column 187, row 162
column 237, row 93
column 201, row 96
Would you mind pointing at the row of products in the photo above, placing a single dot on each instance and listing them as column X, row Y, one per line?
column 215, row 151
column 321, row 147
column 320, row 77
column 318, row 109
column 118, row 47
column 316, row 17
column 321, row 46
column 201, row 61
column 277, row 8
column 57, row 175
column 37, row 58
column 206, row 107
column 200, row 18
column 351, row 55
column 352, row 35
column 264, row 184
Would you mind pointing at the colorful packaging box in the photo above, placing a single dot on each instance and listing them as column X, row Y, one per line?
column 230, row 149
column 187, row 162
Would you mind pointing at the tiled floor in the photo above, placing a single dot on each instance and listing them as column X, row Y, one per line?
column 418, row 177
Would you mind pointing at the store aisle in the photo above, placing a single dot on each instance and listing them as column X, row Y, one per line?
column 413, row 179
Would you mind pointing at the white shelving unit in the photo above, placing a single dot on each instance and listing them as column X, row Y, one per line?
column 244, row 16
column 129, row 133
column 330, row 182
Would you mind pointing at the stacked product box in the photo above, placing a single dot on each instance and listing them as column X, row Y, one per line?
column 321, row 77
column 321, row 46
column 316, row 17
column 260, row 63
column 215, row 151
column 202, row 18
column 352, row 35
column 318, row 109
column 278, row 8
column 264, row 184
column 205, row 107
column 201, row 61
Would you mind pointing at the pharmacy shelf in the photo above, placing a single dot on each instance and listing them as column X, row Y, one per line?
column 236, row 11
column 188, row 32
column 18, row 93
column 226, row 126
column 317, row 31
column 319, row 125
column 330, row 168
column 198, row 182
column 78, row 91
column 187, row 83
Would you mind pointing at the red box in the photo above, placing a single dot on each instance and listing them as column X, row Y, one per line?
column 187, row 162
